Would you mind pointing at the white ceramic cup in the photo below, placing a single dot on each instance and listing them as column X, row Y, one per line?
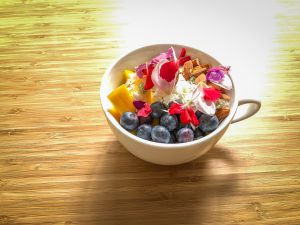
column 158, row 153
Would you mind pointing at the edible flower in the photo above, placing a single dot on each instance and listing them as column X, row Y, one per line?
column 184, row 59
column 149, row 83
column 200, row 103
column 187, row 114
column 182, row 53
column 211, row 94
column 169, row 54
column 138, row 104
column 164, row 76
column 219, row 76
column 145, row 111
column 147, row 68
column 215, row 74
column 168, row 71
column 140, row 70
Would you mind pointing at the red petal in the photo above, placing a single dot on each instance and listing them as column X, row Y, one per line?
column 184, row 59
column 193, row 117
column 185, row 117
column 145, row 111
column 211, row 94
column 182, row 53
column 175, row 108
column 144, row 71
column 150, row 69
column 149, row 83
column 168, row 71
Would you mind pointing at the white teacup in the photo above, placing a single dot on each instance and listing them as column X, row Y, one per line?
column 166, row 154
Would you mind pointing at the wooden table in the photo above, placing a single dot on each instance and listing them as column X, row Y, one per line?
column 61, row 164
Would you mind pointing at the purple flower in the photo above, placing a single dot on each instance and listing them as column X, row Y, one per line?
column 215, row 74
column 139, row 104
column 139, row 70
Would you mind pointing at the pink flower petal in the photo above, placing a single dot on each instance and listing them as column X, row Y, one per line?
column 201, row 104
column 170, row 54
column 139, row 70
column 162, row 84
column 145, row 111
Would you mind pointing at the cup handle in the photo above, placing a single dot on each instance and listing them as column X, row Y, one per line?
column 254, row 106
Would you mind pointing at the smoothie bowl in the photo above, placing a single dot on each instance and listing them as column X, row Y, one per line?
column 169, row 104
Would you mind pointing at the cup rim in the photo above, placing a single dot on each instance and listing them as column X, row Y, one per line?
column 172, row 146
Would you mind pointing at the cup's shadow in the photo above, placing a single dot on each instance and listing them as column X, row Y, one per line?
column 127, row 190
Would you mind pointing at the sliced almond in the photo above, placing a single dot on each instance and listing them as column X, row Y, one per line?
column 207, row 66
column 196, row 62
column 186, row 74
column 187, row 69
column 226, row 97
column 214, row 86
column 197, row 70
column 200, row 78
column 222, row 113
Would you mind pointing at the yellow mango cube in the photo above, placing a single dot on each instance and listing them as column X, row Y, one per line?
column 148, row 96
column 126, row 75
column 115, row 113
column 122, row 99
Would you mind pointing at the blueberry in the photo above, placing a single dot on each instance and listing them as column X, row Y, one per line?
column 129, row 121
column 144, row 131
column 160, row 134
column 198, row 114
column 181, row 125
column 198, row 134
column 147, row 119
column 157, row 109
column 185, row 135
column 173, row 138
column 169, row 121
column 208, row 123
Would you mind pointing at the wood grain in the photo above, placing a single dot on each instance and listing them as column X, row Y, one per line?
column 61, row 164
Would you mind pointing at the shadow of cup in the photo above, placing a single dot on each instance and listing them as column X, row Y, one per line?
column 127, row 190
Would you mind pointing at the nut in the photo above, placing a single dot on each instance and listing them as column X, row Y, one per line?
column 197, row 71
column 207, row 66
column 226, row 97
column 200, row 78
column 214, row 86
column 187, row 69
column 196, row 62
column 222, row 113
